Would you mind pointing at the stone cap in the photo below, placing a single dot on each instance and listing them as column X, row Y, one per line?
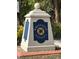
column 37, row 12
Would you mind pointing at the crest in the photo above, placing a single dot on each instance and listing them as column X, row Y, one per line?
column 40, row 31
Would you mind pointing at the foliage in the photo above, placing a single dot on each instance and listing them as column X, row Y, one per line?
column 19, row 34
column 57, row 30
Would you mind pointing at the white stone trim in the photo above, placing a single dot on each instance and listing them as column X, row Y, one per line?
column 41, row 46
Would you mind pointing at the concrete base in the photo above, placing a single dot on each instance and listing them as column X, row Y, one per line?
column 40, row 48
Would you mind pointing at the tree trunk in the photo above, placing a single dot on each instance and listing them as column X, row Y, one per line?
column 56, row 11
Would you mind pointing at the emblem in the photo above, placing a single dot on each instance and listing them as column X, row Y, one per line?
column 40, row 31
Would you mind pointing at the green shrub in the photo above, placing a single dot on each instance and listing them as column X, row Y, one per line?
column 57, row 30
column 19, row 34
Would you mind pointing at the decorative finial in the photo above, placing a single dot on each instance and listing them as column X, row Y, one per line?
column 37, row 5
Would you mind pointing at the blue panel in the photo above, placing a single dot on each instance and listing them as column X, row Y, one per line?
column 40, row 31
column 26, row 30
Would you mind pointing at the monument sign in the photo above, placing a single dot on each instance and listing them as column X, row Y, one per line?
column 37, row 34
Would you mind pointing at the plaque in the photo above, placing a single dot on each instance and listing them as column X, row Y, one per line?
column 26, row 30
column 40, row 31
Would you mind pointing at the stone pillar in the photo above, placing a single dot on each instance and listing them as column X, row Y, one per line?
column 37, row 34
